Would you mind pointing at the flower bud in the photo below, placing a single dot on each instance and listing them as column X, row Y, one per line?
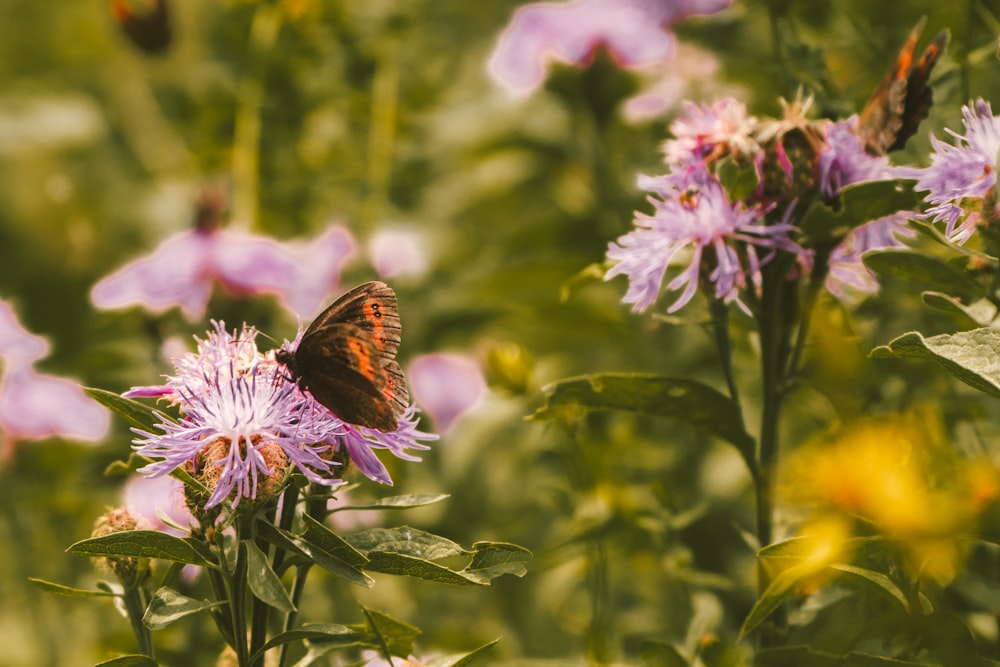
column 118, row 520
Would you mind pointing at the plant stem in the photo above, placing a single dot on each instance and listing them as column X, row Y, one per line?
column 135, row 605
column 249, row 99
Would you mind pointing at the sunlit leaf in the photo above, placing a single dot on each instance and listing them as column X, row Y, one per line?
column 493, row 559
column 141, row 544
column 135, row 413
column 394, row 635
column 168, row 606
column 877, row 578
column 922, row 269
column 400, row 502
column 326, row 541
column 298, row 546
column 979, row 313
column 971, row 356
column 777, row 591
column 404, row 540
column 327, row 633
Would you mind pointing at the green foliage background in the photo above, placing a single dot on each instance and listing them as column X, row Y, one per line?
column 382, row 112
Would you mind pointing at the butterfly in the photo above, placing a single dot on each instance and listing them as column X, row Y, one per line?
column 903, row 98
column 346, row 358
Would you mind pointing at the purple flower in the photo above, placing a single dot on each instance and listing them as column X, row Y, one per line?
column 156, row 497
column 694, row 223
column 446, row 386
column 845, row 162
column 240, row 413
column 635, row 32
column 397, row 251
column 961, row 172
column 700, row 130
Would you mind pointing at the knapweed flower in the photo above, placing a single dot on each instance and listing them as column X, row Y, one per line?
column 962, row 176
column 243, row 422
column 184, row 269
column 701, row 131
column 318, row 263
column 17, row 344
column 694, row 222
column 845, row 162
column 635, row 32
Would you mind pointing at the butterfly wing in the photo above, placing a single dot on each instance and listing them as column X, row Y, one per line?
column 346, row 358
column 903, row 98
column 339, row 364
column 371, row 306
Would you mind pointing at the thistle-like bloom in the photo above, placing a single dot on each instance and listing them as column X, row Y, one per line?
column 242, row 417
column 635, row 32
column 695, row 222
column 961, row 175
column 703, row 130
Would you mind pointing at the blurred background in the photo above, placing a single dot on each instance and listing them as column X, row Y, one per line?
column 381, row 117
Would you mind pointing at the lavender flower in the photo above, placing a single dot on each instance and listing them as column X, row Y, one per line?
column 845, row 162
column 242, row 417
column 961, row 175
column 693, row 221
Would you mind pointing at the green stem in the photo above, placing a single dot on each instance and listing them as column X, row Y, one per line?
column 249, row 99
column 720, row 326
column 298, row 586
column 237, row 590
column 135, row 606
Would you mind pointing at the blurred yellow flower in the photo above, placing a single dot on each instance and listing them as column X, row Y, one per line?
column 899, row 477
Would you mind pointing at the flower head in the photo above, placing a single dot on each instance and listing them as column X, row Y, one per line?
column 244, row 423
column 694, row 222
column 704, row 130
column 184, row 269
column 961, row 175
column 635, row 32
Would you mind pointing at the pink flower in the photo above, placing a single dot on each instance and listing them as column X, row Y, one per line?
column 152, row 496
column 447, row 386
column 35, row 406
column 17, row 344
column 635, row 32
column 397, row 251
column 318, row 264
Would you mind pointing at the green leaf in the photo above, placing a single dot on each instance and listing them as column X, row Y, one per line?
column 322, row 538
column 399, row 502
column 135, row 413
column 923, row 269
column 300, row 547
column 877, row 578
column 128, row 661
column 780, row 588
column 979, row 313
column 493, row 559
column 385, row 631
column 406, row 541
column 168, row 606
column 971, row 356
column 795, row 656
column 141, row 544
column 263, row 582
column 327, row 633
column 858, row 204
column 419, row 568
column 462, row 659
column 68, row 591
column 684, row 400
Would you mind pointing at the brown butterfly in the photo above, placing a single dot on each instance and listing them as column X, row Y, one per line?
column 347, row 358
column 903, row 98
